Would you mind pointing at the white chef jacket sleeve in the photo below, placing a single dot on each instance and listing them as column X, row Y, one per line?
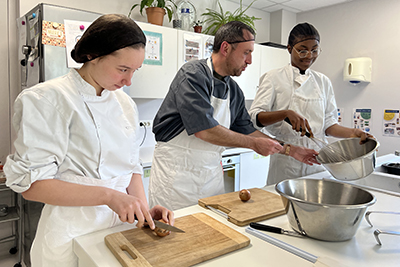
column 41, row 143
column 264, row 99
column 331, row 115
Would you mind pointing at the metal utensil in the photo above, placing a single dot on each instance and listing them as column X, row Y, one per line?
column 276, row 242
column 321, row 144
column 377, row 232
column 165, row 226
column 273, row 229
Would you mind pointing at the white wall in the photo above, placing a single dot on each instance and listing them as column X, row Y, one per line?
column 362, row 28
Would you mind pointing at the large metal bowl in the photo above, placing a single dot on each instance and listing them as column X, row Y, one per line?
column 348, row 160
column 324, row 209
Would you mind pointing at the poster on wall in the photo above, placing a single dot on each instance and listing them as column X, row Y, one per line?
column 154, row 45
column 362, row 119
column 340, row 115
column 391, row 122
column 192, row 47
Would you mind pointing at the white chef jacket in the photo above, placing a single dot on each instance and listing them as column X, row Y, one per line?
column 276, row 91
column 66, row 132
column 63, row 127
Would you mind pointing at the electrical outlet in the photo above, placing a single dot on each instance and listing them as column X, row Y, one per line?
column 147, row 124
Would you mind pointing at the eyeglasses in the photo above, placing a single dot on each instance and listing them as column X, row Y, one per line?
column 304, row 53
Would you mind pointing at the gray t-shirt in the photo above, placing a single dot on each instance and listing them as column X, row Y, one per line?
column 187, row 105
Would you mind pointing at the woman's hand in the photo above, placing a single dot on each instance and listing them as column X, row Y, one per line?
column 299, row 123
column 158, row 212
column 305, row 155
column 127, row 206
column 364, row 136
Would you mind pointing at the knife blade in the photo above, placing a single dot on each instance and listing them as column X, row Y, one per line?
column 274, row 229
column 168, row 227
column 165, row 226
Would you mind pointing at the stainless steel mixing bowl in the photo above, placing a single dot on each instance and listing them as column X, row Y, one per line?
column 324, row 209
column 348, row 160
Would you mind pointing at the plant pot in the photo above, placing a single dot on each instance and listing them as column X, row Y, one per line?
column 197, row 29
column 155, row 15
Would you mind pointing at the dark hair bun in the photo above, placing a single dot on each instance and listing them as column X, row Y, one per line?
column 105, row 35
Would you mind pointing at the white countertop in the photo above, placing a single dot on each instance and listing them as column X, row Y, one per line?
column 361, row 250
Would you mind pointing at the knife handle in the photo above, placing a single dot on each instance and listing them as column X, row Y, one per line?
column 267, row 228
column 307, row 133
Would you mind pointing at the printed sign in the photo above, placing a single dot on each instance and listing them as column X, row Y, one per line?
column 153, row 54
column 391, row 122
column 53, row 33
column 362, row 119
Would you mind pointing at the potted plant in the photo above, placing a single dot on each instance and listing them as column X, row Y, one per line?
column 198, row 25
column 155, row 10
column 215, row 19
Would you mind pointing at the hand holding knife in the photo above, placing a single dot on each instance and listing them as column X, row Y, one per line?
column 274, row 229
column 165, row 226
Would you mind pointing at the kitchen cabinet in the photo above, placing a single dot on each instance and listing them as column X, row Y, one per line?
column 273, row 58
column 253, row 170
column 152, row 81
column 248, row 81
column 177, row 47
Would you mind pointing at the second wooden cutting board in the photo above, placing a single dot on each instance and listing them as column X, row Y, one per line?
column 262, row 205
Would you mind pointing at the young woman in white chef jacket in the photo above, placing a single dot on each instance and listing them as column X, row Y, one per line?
column 304, row 96
column 77, row 149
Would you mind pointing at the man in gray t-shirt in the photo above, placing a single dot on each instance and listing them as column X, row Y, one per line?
column 203, row 112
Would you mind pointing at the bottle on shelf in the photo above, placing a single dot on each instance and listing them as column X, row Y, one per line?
column 187, row 14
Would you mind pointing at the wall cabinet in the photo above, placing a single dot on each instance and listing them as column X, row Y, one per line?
column 273, row 58
column 248, row 81
column 152, row 81
column 177, row 47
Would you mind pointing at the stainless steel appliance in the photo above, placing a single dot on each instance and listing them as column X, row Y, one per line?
column 42, row 54
column 42, row 39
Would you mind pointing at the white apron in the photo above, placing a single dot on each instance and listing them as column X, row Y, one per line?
column 187, row 168
column 308, row 101
column 59, row 225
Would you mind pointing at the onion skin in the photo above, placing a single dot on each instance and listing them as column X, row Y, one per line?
column 244, row 195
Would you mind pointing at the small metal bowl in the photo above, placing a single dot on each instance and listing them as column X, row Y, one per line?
column 322, row 209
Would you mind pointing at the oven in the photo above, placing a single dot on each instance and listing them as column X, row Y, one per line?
column 231, row 169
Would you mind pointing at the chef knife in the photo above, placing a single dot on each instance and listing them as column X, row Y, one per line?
column 274, row 229
column 165, row 226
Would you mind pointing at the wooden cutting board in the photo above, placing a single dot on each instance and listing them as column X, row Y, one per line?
column 204, row 238
column 262, row 205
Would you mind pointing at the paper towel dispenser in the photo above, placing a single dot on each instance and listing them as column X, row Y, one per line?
column 357, row 70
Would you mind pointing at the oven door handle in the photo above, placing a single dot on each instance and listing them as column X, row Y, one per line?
column 228, row 167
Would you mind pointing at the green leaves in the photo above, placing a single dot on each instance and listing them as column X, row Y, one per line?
column 215, row 19
column 168, row 5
